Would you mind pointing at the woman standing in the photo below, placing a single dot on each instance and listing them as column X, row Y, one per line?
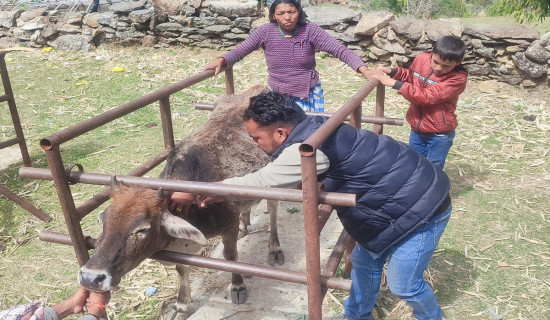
column 289, row 43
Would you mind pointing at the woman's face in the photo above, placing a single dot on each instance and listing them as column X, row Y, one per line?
column 286, row 16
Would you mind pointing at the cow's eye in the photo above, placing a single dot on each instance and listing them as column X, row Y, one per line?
column 143, row 231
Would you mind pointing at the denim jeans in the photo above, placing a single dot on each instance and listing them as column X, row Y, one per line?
column 407, row 261
column 434, row 146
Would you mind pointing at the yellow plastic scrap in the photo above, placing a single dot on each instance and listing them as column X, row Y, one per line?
column 47, row 49
column 118, row 69
column 81, row 83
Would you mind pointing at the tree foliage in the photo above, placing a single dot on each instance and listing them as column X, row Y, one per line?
column 522, row 10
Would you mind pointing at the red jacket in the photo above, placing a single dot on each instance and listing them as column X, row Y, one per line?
column 433, row 97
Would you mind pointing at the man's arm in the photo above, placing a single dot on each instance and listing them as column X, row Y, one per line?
column 284, row 172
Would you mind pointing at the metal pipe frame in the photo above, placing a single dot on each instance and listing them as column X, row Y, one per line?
column 310, row 195
column 242, row 192
column 308, row 149
column 19, row 139
column 364, row 119
column 218, row 264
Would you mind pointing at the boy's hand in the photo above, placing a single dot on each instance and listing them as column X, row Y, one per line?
column 383, row 78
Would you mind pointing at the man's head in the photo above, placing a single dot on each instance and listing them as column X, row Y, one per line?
column 270, row 118
column 448, row 52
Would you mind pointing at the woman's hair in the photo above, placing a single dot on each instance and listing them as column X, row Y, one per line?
column 296, row 3
column 274, row 108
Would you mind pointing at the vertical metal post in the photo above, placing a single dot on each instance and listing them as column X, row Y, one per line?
column 166, row 118
column 379, row 111
column 13, row 110
column 229, row 83
column 355, row 121
column 311, row 226
column 355, row 117
column 55, row 162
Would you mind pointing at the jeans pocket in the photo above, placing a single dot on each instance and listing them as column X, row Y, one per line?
column 440, row 224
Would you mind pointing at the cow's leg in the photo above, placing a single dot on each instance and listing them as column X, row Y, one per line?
column 181, row 309
column 275, row 253
column 244, row 222
column 239, row 292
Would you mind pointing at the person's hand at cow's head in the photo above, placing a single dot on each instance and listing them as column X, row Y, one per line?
column 181, row 201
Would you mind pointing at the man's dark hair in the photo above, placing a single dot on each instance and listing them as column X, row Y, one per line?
column 302, row 17
column 274, row 108
column 450, row 48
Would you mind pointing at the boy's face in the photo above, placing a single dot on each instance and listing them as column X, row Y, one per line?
column 441, row 66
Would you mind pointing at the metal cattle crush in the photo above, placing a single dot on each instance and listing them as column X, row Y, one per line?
column 316, row 204
column 19, row 140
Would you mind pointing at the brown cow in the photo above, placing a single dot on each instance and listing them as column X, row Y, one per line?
column 138, row 223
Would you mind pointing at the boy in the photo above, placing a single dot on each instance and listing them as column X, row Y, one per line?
column 432, row 84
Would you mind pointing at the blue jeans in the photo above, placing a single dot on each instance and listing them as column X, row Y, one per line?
column 408, row 260
column 434, row 146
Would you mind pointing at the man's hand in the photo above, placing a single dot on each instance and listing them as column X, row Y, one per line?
column 203, row 202
column 181, row 201
column 216, row 65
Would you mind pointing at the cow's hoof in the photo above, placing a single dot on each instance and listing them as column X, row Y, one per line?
column 174, row 311
column 276, row 256
column 239, row 294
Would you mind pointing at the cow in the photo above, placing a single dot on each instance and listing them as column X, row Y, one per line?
column 139, row 223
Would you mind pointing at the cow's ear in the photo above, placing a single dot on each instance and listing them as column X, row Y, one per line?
column 178, row 228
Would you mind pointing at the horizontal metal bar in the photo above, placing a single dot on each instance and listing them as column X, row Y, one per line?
column 4, row 98
column 364, row 119
column 218, row 264
column 108, row 116
column 24, row 204
column 205, row 188
column 10, row 142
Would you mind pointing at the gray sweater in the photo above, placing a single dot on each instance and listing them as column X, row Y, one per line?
column 49, row 314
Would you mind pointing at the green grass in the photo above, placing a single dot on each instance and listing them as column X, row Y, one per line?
column 492, row 258
column 542, row 27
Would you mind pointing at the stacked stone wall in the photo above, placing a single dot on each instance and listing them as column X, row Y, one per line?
column 513, row 53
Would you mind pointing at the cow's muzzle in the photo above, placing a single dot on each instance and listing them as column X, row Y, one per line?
column 95, row 280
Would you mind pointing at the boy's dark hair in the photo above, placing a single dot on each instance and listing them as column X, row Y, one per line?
column 450, row 48
column 274, row 108
column 296, row 3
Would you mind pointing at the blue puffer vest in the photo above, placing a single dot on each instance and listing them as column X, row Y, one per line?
column 397, row 189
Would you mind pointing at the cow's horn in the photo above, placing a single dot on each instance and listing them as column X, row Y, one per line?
column 114, row 183
column 160, row 193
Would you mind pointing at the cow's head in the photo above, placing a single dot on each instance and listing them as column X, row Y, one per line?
column 135, row 226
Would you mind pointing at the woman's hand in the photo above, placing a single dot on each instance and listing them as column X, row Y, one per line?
column 216, row 65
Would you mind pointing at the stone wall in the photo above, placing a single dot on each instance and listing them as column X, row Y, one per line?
column 514, row 53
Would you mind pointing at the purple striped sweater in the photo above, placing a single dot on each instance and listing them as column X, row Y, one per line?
column 291, row 61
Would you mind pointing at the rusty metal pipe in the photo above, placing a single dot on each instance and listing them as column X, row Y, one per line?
column 10, row 142
column 24, row 204
column 311, row 228
column 364, row 119
column 311, row 144
column 108, row 116
column 217, row 264
column 8, row 93
column 206, row 188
